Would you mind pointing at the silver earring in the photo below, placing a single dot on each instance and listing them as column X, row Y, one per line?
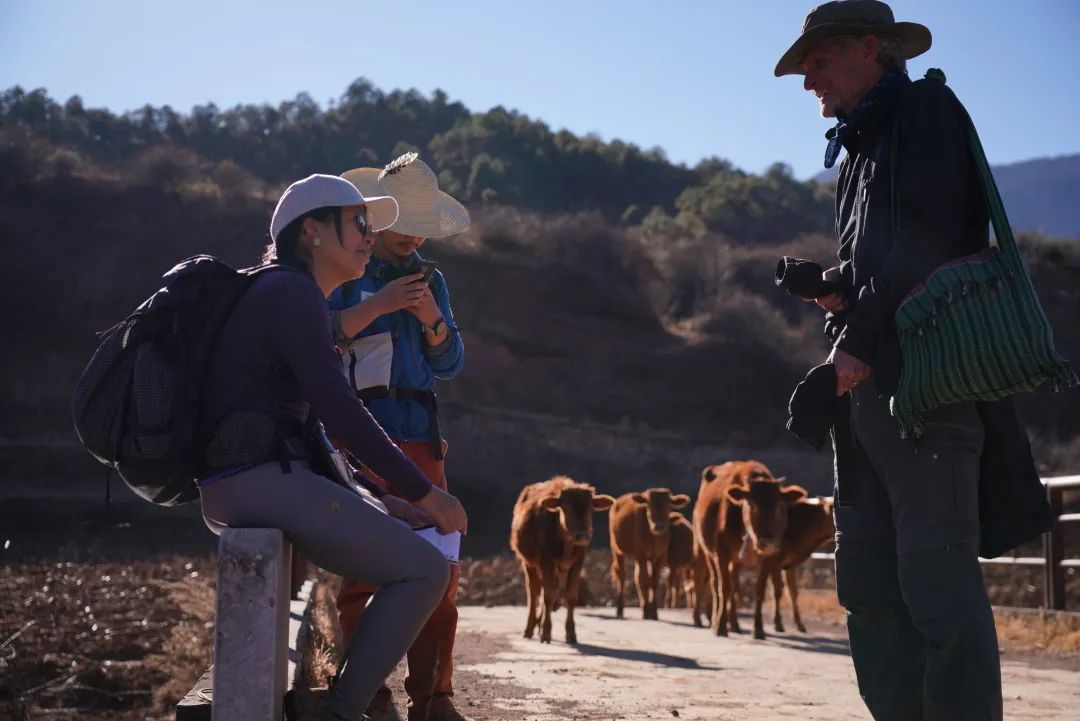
column 315, row 240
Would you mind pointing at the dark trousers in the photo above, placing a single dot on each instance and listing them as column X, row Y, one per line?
column 907, row 572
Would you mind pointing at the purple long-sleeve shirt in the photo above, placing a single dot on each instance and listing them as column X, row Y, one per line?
column 276, row 357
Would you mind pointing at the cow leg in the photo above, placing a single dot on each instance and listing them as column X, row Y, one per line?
column 759, row 600
column 702, row 603
column 532, row 591
column 550, row 578
column 641, row 580
column 655, row 569
column 618, row 575
column 716, row 584
column 675, row 581
column 736, row 596
column 722, row 591
column 778, row 595
column 573, row 580
column 792, row 574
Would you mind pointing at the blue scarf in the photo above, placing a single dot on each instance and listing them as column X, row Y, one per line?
column 884, row 90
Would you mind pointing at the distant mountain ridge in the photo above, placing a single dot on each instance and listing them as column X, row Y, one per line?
column 1042, row 194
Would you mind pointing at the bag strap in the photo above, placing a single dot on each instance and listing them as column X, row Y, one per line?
column 1003, row 235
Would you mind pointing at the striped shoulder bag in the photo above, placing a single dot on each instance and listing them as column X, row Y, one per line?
column 973, row 329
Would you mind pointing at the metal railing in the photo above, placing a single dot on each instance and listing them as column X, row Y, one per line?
column 1053, row 559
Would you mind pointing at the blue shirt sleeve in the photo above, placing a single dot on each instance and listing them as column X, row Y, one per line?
column 447, row 358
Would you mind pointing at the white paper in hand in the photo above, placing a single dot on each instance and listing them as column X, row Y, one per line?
column 449, row 545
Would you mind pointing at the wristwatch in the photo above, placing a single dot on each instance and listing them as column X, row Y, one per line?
column 437, row 328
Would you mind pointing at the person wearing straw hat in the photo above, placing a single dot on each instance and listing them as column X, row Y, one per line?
column 407, row 308
column 909, row 198
column 273, row 368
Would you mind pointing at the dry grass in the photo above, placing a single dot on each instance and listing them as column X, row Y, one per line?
column 123, row 641
column 187, row 652
column 322, row 646
column 1044, row 633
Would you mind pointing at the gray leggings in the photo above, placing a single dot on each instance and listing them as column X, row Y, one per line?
column 340, row 532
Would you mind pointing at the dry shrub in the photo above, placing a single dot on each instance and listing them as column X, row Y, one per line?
column 189, row 649
column 1038, row 631
column 166, row 167
column 323, row 644
column 64, row 162
column 584, row 241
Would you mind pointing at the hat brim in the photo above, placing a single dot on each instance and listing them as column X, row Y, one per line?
column 381, row 214
column 382, row 211
column 915, row 39
column 447, row 217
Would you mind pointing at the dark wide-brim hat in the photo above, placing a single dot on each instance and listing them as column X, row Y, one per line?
column 852, row 18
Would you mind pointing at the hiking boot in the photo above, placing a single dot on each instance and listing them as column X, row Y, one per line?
column 381, row 704
column 441, row 709
column 313, row 705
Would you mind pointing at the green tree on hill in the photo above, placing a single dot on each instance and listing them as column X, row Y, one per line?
column 499, row 156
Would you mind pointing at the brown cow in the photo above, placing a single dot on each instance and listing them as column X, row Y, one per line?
column 551, row 529
column 738, row 498
column 639, row 528
column 680, row 561
column 809, row 526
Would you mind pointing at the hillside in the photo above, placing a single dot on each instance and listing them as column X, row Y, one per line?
column 628, row 355
column 594, row 323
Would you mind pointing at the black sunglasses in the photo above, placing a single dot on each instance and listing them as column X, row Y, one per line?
column 362, row 223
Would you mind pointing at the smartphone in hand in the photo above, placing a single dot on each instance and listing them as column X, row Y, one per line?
column 427, row 267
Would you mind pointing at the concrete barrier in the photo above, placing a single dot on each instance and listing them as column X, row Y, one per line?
column 261, row 611
column 257, row 630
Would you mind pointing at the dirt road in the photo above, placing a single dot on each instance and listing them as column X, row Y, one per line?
column 635, row 670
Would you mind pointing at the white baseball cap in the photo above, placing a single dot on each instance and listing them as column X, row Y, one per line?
column 322, row 191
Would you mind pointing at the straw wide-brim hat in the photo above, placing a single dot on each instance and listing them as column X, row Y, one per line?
column 852, row 18
column 423, row 209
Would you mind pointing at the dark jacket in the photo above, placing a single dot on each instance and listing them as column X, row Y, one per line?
column 898, row 218
column 940, row 212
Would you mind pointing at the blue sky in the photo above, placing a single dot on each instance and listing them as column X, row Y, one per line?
column 694, row 78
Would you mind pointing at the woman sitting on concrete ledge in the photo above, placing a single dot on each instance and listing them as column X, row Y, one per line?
column 273, row 367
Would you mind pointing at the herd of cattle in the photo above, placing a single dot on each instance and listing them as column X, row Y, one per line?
column 744, row 516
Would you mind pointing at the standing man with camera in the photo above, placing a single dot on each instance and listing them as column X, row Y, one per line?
column 908, row 199
column 399, row 336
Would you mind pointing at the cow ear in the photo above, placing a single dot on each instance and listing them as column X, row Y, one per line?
column 680, row 501
column 551, row 503
column 602, row 502
column 793, row 494
column 709, row 474
column 738, row 494
column 639, row 498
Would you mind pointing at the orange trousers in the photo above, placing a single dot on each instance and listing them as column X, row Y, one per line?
column 430, row 658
